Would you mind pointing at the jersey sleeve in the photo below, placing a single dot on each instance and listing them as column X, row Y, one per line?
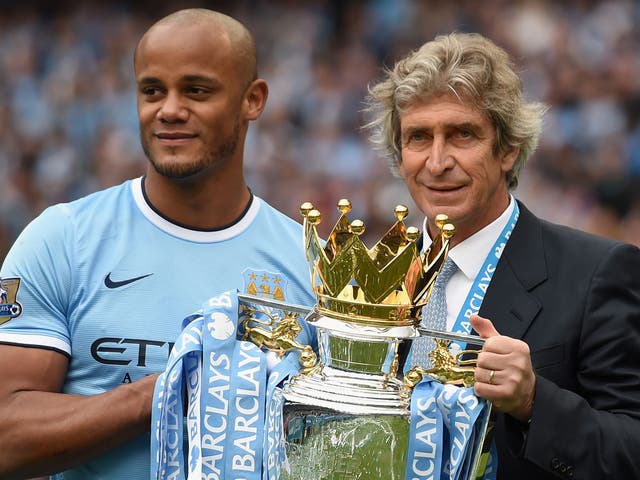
column 37, row 278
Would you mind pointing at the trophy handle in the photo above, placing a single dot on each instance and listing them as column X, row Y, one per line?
column 446, row 368
column 469, row 361
column 280, row 338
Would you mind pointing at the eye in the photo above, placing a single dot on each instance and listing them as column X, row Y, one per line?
column 197, row 91
column 150, row 92
column 464, row 132
column 416, row 140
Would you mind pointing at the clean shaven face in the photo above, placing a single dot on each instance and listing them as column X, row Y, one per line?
column 449, row 164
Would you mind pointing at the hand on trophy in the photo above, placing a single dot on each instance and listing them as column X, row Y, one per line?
column 504, row 374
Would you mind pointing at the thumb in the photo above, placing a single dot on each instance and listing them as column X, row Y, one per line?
column 483, row 326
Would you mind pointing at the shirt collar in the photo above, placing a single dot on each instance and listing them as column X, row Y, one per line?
column 471, row 253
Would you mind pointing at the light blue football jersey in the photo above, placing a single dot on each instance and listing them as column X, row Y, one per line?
column 107, row 281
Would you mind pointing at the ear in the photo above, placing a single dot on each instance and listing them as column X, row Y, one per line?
column 509, row 159
column 255, row 99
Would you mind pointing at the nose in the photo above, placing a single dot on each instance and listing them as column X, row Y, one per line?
column 173, row 109
column 438, row 158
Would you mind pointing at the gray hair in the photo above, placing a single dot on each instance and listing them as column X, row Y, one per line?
column 474, row 69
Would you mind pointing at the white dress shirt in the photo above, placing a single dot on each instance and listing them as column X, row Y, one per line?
column 469, row 255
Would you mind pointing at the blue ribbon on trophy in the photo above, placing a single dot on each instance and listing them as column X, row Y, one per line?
column 226, row 390
column 227, row 399
column 275, row 457
column 167, row 459
column 447, row 422
column 426, row 435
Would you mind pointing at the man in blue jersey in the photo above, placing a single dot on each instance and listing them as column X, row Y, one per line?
column 97, row 288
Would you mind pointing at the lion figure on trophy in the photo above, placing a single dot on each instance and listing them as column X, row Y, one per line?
column 280, row 338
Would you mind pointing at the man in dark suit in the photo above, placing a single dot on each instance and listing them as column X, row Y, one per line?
column 559, row 308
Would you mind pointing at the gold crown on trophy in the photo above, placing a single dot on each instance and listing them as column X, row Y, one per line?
column 386, row 285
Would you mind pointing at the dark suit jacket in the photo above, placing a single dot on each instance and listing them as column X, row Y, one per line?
column 574, row 298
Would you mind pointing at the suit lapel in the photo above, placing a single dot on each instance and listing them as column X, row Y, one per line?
column 508, row 302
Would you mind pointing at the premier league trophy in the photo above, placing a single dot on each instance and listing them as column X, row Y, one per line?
column 356, row 410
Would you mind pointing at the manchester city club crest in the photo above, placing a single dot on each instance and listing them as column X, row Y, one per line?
column 267, row 285
column 9, row 306
column 262, row 283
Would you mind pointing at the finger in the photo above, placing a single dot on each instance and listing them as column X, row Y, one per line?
column 492, row 392
column 483, row 326
column 491, row 360
column 506, row 349
column 500, row 345
column 487, row 376
column 491, row 377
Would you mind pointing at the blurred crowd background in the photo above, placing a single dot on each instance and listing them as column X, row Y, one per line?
column 68, row 121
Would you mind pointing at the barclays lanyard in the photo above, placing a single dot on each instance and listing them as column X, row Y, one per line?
column 474, row 299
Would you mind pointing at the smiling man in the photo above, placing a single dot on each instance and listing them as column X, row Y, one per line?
column 463, row 177
column 100, row 286
column 559, row 308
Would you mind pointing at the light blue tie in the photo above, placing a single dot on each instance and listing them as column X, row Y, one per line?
column 434, row 315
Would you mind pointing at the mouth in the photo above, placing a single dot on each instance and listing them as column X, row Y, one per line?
column 174, row 138
column 445, row 188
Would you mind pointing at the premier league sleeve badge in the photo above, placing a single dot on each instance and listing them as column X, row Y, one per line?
column 9, row 306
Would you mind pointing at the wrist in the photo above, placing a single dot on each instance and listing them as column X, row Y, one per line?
column 525, row 412
column 140, row 395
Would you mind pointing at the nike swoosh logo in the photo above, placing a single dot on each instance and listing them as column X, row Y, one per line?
column 116, row 284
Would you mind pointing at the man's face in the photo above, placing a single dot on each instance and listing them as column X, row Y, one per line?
column 189, row 100
column 449, row 165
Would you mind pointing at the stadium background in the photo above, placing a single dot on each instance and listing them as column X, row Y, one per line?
column 68, row 122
